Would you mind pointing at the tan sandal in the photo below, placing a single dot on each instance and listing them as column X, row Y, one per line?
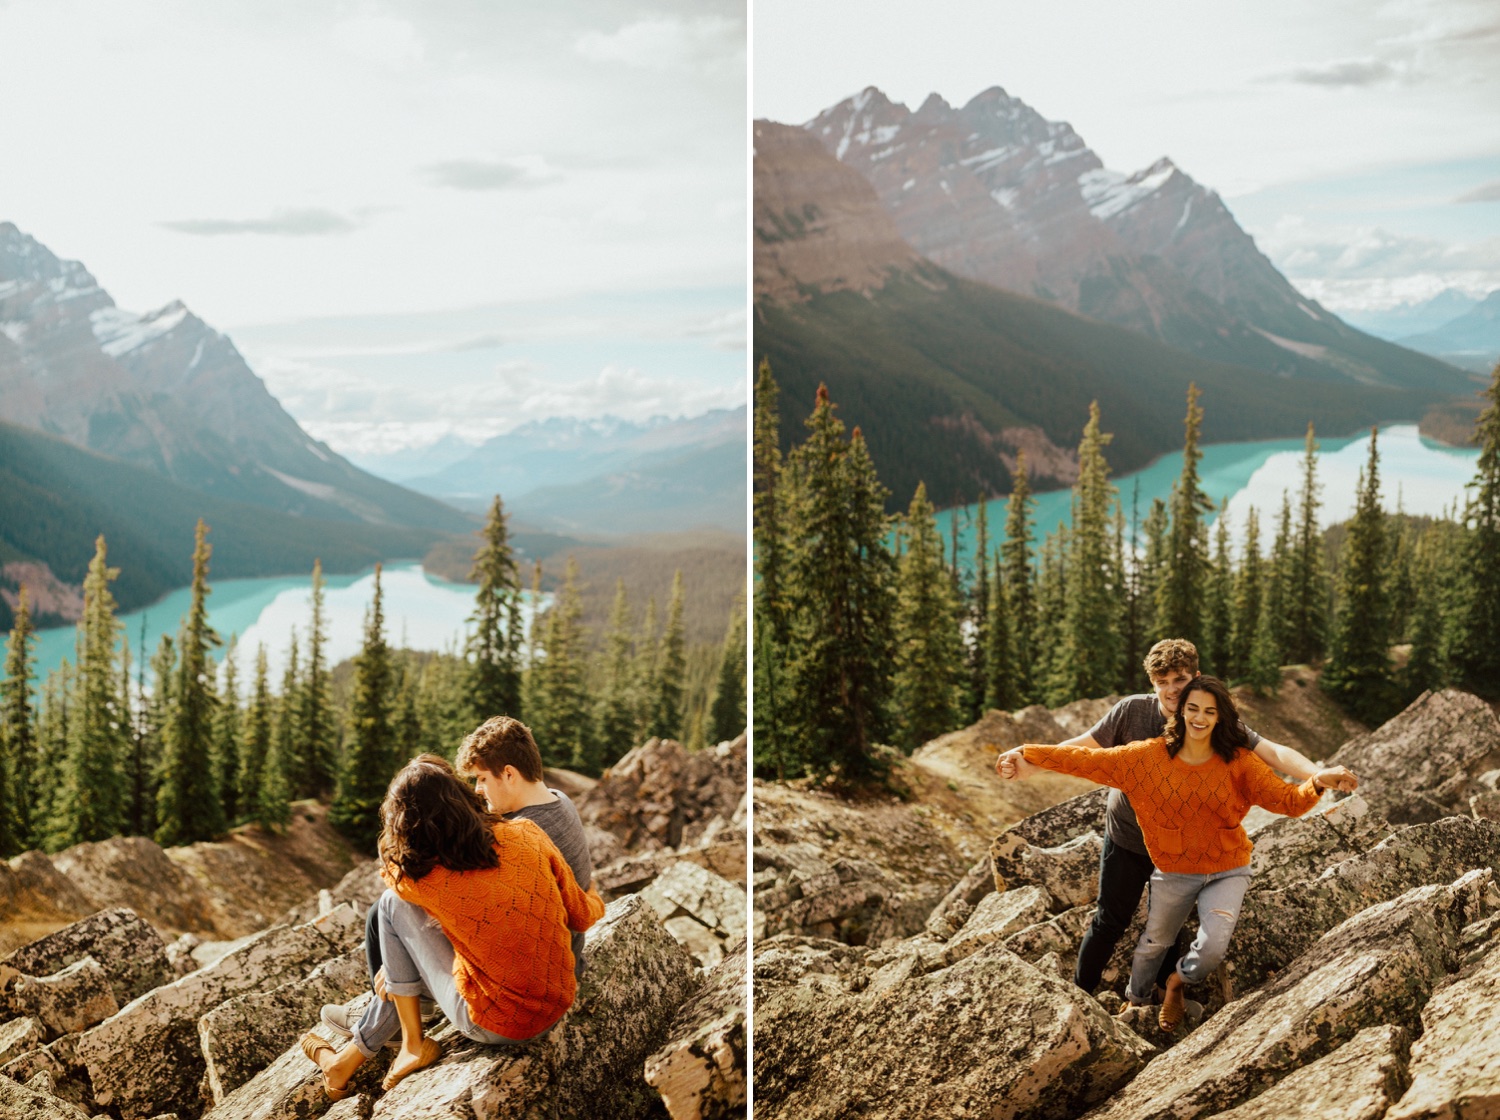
column 430, row 1053
column 313, row 1045
column 1172, row 1005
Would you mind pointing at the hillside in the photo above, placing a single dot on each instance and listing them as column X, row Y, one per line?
column 166, row 392
column 55, row 498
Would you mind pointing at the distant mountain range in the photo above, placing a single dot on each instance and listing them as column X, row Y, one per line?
column 1407, row 319
column 1470, row 340
column 166, row 392
column 950, row 378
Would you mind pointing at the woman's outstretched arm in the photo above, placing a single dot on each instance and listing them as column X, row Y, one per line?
column 1098, row 764
column 1262, row 787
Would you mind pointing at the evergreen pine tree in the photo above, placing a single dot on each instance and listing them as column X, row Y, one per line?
column 666, row 720
column 1358, row 673
column 143, row 768
column 52, row 734
column 1151, row 575
column 1427, row 664
column 272, row 808
column 1020, row 598
column 187, row 804
column 255, row 744
column 1003, row 687
column 90, row 799
column 1218, row 619
column 1052, row 608
column 21, row 827
column 1476, row 659
column 769, row 605
column 408, row 723
column 929, row 661
column 311, row 766
column 443, row 708
column 977, row 638
column 616, row 717
column 1307, row 582
column 227, row 737
column 839, row 582
column 532, row 700
column 644, row 670
column 1090, row 652
column 1179, row 594
column 370, row 753
column 727, row 716
column 495, row 645
column 1278, row 577
column 1249, row 586
column 563, row 728
column 1264, row 670
column 286, row 717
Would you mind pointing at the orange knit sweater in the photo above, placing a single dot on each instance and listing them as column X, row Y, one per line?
column 1190, row 814
column 512, row 957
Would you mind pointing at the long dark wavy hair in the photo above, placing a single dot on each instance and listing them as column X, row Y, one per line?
column 1228, row 737
column 430, row 817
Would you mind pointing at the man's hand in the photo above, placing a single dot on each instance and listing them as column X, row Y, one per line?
column 379, row 983
column 1340, row 778
column 1012, row 766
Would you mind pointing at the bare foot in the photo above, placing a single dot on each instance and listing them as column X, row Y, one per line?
column 1171, row 1005
column 408, row 1061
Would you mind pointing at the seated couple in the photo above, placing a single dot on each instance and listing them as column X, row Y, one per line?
column 487, row 903
column 1185, row 771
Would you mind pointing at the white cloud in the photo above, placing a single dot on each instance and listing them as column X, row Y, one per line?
column 383, row 39
column 668, row 43
column 281, row 223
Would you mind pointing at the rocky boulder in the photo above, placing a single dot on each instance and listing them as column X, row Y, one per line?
column 132, row 955
column 26, row 1102
column 704, row 912
column 1358, row 1081
column 68, row 1001
column 661, row 795
column 700, row 1072
column 1426, row 762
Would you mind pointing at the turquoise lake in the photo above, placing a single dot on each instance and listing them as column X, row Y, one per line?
column 1421, row 475
column 421, row 612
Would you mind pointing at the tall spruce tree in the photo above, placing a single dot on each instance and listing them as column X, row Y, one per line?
column 1052, row 606
column 90, row 799
column 312, row 766
column 1089, row 653
column 187, row 804
column 1152, row 573
column 618, row 702
column 1249, row 587
column 19, row 748
column 1477, row 643
column 839, row 582
column 564, row 727
column 1278, row 577
column 495, row 645
column 370, row 751
column 771, row 617
column 929, row 661
column 671, row 668
column 1307, row 583
column 286, row 721
column 1020, row 597
column 1218, row 614
column 1428, row 664
column 977, row 631
column 1179, row 594
column 227, row 738
column 1358, row 673
column 143, row 768
column 727, row 716
column 1003, row 685
column 272, row 807
column 255, row 744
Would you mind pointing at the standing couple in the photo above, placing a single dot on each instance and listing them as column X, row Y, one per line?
column 1185, row 771
column 484, row 916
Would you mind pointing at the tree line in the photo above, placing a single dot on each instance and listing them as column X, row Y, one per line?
column 869, row 635
column 97, row 753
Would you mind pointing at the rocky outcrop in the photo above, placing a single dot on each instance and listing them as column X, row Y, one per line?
column 702, row 911
column 68, row 1001
column 132, row 954
column 1358, row 1081
column 700, row 1072
column 661, row 795
column 35, row 1103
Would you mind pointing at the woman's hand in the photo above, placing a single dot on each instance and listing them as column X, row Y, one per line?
column 1012, row 766
column 1337, row 777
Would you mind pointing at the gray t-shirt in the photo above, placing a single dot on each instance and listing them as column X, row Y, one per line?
column 559, row 820
column 1129, row 721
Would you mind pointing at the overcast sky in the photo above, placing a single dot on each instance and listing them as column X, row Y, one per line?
column 273, row 162
column 1359, row 142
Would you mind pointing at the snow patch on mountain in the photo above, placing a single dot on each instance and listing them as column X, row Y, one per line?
column 119, row 332
column 1109, row 193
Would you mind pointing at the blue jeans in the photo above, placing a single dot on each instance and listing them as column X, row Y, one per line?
column 1218, row 895
column 1123, row 875
column 418, row 961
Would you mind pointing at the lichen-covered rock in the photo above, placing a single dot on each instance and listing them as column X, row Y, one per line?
column 1291, row 849
column 1276, row 925
column 687, row 896
column 1455, row 1065
column 1358, row 1081
column 21, row 1102
column 1060, row 934
column 997, row 916
column 18, row 1036
column 135, row 873
column 57, row 1065
column 1068, row 820
column 1375, row 969
column 700, row 1072
column 132, row 954
column 949, row 915
column 1486, row 805
column 69, row 1000
column 990, row 1036
column 723, row 853
column 147, row 1058
column 1426, row 762
column 1068, row 872
column 243, row 1035
column 661, row 795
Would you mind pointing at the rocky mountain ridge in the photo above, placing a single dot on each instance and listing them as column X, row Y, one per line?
column 106, row 1017
column 1361, row 980
column 994, row 192
column 166, row 391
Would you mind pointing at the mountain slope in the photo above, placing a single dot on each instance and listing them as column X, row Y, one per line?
column 166, row 392
column 994, row 192
column 950, row 378
column 55, row 498
column 1471, row 340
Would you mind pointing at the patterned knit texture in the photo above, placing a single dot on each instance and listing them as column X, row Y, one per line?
column 1190, row 815
column 512, row 957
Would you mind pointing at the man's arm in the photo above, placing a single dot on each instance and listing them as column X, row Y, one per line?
column 1297, row 765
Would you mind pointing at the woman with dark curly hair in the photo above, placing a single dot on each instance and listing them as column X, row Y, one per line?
column 477, row 917
column 1191, row 788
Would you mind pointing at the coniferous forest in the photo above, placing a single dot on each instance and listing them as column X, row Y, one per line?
column 177, row 747
column 872, row 637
